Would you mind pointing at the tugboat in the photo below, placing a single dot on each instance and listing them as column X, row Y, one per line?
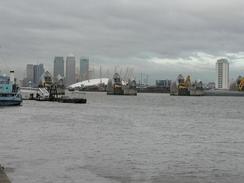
column 9, row 91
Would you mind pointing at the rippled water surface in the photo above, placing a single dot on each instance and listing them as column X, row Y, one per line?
column 149, row 138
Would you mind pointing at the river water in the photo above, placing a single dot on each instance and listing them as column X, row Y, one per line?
column 149, row 138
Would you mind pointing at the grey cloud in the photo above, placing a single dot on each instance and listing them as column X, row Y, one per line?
column 120, row 31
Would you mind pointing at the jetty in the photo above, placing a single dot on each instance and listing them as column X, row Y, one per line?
column 3, row 177
column 49, row 90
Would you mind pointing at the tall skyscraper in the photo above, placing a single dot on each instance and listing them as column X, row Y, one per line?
column 30, row 73
column 70, row 70
column 222, row 74
column 84, row 69
column 38, row 71
column 58, row 68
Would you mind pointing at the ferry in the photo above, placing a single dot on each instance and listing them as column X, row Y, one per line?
column 9, row 91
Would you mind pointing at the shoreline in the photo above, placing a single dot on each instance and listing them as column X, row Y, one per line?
column 3, row 176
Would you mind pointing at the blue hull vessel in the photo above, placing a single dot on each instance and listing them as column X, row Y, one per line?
column 10, row 101
column 9, row 91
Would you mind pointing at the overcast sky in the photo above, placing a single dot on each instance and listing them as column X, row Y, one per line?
column 161, row 38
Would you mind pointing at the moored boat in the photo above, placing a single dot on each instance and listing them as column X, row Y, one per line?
column 9, row 91
column 74, row 100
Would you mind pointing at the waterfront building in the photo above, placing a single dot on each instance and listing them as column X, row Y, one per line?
column 222, row 74
column 70, row 70
column 58, row 68
column 163, row 83
column 84, row 69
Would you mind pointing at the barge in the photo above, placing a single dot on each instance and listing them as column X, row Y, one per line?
column 74, row 97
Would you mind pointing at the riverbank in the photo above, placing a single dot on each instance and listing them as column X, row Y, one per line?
column 3, row 177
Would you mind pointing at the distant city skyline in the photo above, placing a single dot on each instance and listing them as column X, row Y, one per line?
column 205, row 72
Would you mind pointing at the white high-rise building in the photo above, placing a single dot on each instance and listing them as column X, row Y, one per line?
column 70, row 70
column 222, row 74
